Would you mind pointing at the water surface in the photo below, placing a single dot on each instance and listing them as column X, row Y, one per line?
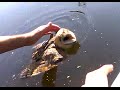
column 97, row 31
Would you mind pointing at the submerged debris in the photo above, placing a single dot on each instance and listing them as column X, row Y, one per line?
column 78, row 11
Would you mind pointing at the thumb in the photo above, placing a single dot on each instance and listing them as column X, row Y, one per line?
column 106, row 69
column 49, row 23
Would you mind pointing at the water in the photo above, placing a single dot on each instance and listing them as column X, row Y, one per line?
column 97, row 31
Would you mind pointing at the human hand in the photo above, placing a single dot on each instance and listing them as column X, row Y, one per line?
column 48, row 28
column 37, row 33
column 98, row 78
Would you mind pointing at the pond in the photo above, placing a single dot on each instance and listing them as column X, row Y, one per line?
column 96, row 26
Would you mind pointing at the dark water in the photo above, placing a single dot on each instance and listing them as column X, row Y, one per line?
column 97, row 31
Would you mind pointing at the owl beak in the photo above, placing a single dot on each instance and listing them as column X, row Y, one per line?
column 69, row 41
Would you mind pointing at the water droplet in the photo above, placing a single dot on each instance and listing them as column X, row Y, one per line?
column 68, row 76
column 47, row 79
column 107, row 44
column 114, row 62
column 13, row 76
column 74, row 30
column 101, row 37
column 68, row 60
column 73, row 19
column 63, row 84
column 69, row 80
column 27, row 84
column 101, row 33
column 78, row 66
column 95, row 30
column 84, row 51
column 36, row 84
column 12, row 52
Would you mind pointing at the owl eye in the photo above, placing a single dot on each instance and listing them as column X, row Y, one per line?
column 66, row 38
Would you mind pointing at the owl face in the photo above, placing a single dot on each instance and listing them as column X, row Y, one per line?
column 65, row 38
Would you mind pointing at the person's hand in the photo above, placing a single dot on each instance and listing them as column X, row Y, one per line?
column 37, row 33
column 98, row 78
column 46, row 29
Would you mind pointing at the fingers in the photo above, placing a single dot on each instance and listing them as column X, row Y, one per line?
column 106, row 69
column 53, row 27
column 49, row 23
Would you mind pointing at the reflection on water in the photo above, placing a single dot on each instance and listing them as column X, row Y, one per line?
column 49, row 77
column 74, row 49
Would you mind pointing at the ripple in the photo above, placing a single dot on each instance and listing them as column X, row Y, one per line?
column 79, row 23
column 84, row 51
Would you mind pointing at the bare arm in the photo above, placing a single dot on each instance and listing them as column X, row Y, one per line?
column 8, row 43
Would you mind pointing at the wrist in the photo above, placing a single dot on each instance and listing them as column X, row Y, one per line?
column 32, row 37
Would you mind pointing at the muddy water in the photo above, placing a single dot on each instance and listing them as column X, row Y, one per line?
column 97, row 29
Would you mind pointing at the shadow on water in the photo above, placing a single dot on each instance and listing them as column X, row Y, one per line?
column 49, row 78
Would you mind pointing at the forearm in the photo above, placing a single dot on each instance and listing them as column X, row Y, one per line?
column 8, row 43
